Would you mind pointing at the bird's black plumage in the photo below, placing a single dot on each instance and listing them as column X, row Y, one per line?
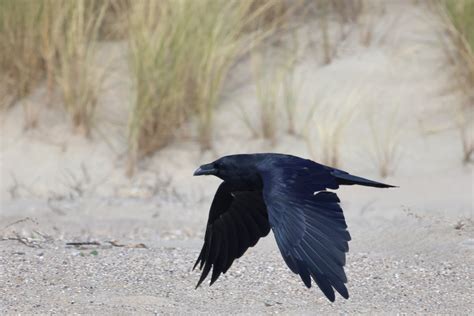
column 289, row 195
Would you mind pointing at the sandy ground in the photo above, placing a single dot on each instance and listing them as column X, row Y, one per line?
column 399, row 261
column 412, row 249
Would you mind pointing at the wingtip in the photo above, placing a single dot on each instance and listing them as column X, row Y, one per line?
column 343, row 292
column 195, row 264
column 213, row 279
column 198, row 284
column 330, row 295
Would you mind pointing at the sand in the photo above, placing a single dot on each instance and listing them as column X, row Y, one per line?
column 412, row 249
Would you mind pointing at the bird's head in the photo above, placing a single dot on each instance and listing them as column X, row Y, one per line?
column 234, row 168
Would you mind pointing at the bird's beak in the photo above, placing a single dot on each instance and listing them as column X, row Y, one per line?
column 205, row 170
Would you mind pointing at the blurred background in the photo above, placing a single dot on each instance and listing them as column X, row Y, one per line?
column 108, row 106
column 334, row 80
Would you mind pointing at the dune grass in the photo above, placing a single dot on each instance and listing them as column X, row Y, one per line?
column 326, row 123
column 326, row 45
column 275, row 90
column 385, row 147
column 328, row 137
column 181, row 52
column 461, row 13
column 267, row 84
column 459, row 25
column 21, row 65
column 76, row 32
column 55, row 40
column 158, row 33
column 345, row 14
column 457, row 17
column 290, row 95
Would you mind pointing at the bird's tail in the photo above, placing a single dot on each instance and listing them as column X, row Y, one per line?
column 345, row 178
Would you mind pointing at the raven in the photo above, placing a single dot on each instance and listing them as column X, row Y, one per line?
column 289, row 195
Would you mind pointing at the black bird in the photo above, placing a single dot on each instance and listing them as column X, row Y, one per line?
column 289, row 195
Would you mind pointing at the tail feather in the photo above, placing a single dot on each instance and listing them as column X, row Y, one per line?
column 345, row 178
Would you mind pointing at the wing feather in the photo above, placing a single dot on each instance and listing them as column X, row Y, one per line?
column 221, row 257
column 237, row 220
column 233, row 241
column 308, row 222
column 243, row 238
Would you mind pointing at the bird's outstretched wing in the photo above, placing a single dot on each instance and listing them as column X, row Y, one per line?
column 308, row 224
column 237, row 220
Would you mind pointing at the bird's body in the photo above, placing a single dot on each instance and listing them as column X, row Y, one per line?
column 289, row 195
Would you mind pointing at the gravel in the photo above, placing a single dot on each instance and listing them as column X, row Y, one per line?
column 60, row 279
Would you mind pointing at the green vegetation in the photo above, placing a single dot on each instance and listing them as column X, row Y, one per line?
column 461, row 13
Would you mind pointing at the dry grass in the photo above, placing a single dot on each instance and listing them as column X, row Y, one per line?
column 21, row 65
column 267, row 84
column 345, row 13
column 274, row 79
column 326, row 125
column 458, row 44
column 348, row 11
column 385, row 147
column 56, row 40
column 159, row 49
column 75, row 35
column 115, row 26
column 290, row 94
column 48, row 44
column 465, row 127
column 327, row 46
column 181, row 52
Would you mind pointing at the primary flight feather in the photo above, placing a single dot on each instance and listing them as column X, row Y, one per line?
column 289, row 195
